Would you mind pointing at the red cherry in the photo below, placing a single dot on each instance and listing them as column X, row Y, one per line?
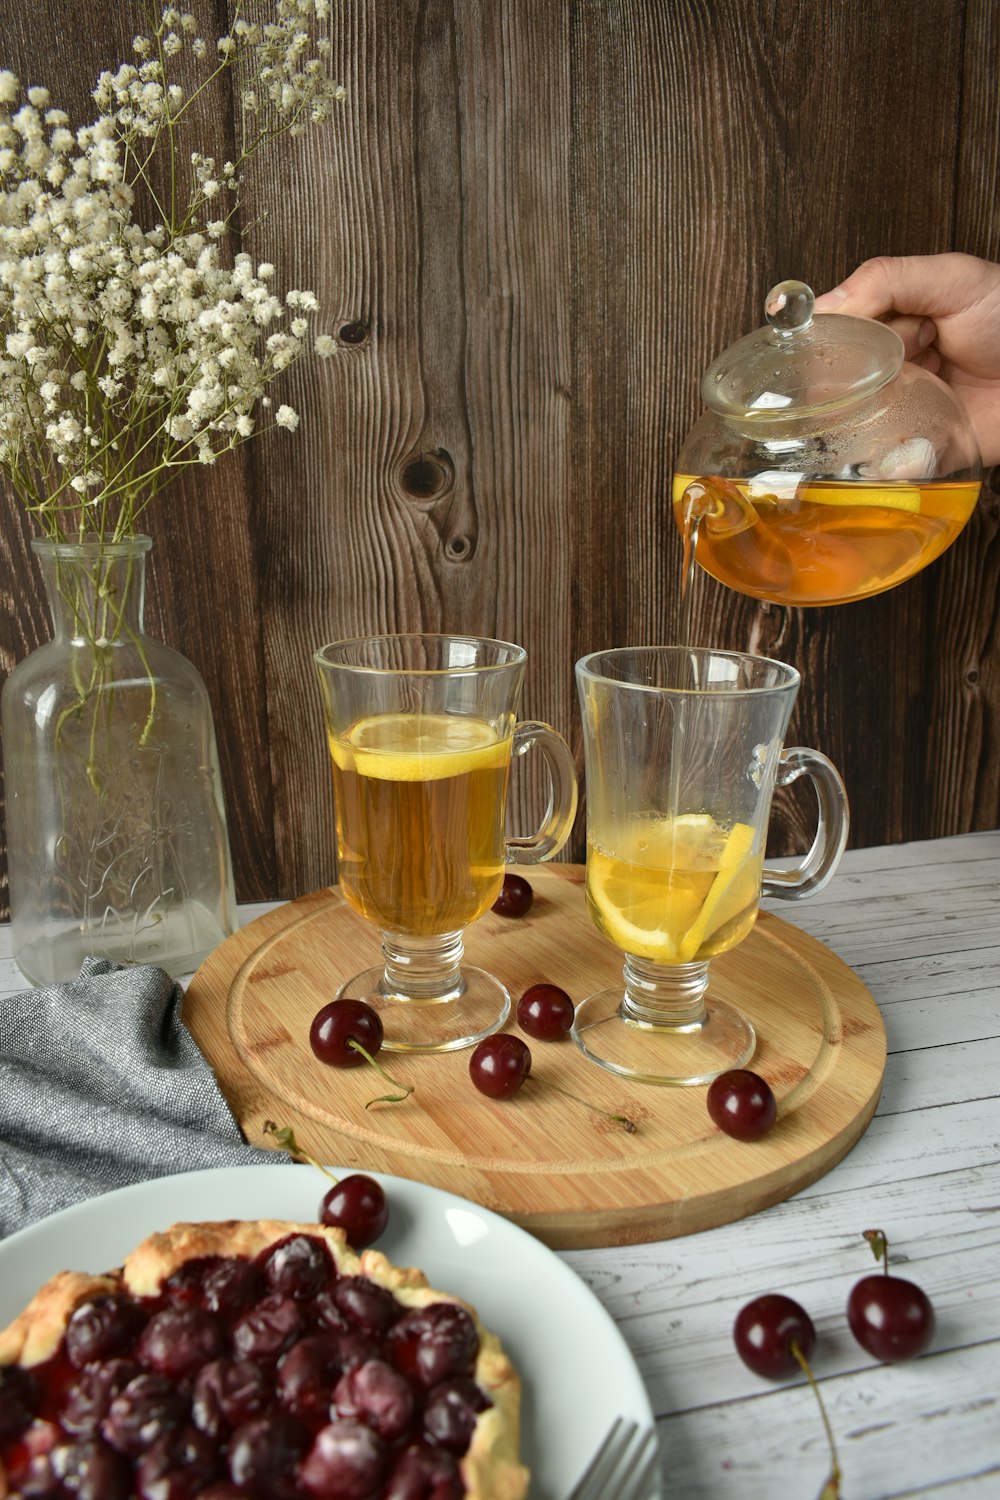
column 515, row 897
column 545, row 1012
column 499, row 1065
column 356, row 1204
column 890, row 1317
column 764, row 1332
column 741, row 1103
column 339, row 1024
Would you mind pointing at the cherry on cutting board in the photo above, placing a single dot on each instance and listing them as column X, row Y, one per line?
column 515, row 897
column 499, row 1065
column 347, row 1033
column 545, row 1012
column 741, row 1103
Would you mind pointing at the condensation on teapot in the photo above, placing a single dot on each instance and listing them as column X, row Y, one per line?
column 825, row 468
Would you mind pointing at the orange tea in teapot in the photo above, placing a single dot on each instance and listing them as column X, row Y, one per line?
column 803, row 541
column 825, row 468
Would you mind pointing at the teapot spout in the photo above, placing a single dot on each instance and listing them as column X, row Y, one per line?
column 718, row 506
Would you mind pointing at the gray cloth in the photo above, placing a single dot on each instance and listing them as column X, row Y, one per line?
column 102, row 1085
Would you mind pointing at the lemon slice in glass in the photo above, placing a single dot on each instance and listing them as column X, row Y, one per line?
column 649, row 891
column 419, row 747
column 731, row 890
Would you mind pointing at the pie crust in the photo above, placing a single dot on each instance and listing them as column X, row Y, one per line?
column 490, row 1467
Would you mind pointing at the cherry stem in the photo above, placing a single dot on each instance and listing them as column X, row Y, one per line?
column 629, row 1126
column 831, row 1489
column 407, row 1088
column 285, row 1138
column 880, row 1246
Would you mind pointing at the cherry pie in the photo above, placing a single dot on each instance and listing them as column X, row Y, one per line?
column 255, row 1360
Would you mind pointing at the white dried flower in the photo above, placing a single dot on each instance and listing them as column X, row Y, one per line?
column 170, row 343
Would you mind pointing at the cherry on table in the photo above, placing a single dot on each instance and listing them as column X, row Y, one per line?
column 515, row 897
column 768, row 1330
column 741, row 1103
column 499, row 1065
column 891, row 1318
column 545, row 1012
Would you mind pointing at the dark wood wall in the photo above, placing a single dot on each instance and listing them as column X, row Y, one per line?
column 531, row 227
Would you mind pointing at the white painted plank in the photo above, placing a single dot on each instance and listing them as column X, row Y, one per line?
column 920, row 923
column 900, row 1430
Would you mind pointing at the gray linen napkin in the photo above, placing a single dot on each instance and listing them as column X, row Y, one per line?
column 102, row 1085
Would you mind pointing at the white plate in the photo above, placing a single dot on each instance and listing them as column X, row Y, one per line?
column 577, row 1371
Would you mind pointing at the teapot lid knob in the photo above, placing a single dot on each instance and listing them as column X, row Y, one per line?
column 801, row 362
column 789, row 306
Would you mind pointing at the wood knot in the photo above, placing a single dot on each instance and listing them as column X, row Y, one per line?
column 427, row 475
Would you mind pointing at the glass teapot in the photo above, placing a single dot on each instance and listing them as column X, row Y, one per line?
column 826, row 469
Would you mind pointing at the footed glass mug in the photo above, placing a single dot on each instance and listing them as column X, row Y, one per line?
column 684, row 748
column 422, row 730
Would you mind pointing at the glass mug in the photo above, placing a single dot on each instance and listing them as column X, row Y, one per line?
column 683, row 751
column 422, row 731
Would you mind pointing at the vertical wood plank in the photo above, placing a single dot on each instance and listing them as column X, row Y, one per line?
column 530, row 229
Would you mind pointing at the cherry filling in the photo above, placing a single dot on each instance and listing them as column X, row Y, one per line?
column 270, row 1379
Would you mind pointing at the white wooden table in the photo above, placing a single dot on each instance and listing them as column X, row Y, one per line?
column 920, row 924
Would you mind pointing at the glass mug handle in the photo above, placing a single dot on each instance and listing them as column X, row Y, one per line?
column 561, row 811
column 817, row 867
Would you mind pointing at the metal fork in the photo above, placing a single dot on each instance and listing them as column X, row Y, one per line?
column 623, row 1466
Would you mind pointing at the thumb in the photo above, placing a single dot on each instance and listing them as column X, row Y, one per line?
column 921, row 285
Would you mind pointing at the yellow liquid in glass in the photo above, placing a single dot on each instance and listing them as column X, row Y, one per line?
column 420, row 819
column 675, row 890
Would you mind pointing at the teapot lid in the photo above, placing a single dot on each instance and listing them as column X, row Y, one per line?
column 801, row 363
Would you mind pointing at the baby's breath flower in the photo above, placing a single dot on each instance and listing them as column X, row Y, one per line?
column 128, row 351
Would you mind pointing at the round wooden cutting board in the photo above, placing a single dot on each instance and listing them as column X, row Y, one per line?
column 549, row 1163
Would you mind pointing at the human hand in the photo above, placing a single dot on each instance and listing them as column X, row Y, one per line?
column 946, row 309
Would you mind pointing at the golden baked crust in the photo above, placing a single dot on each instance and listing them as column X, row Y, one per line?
column 34, row 1335
column 490, row 1468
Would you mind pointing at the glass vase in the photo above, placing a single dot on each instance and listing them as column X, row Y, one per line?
column 116, row 830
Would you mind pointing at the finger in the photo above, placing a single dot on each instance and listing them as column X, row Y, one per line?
column 912, row 284
column 930, row 360
column 916, row 333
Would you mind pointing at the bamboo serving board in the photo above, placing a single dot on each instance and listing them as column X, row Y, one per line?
column 550, row 1164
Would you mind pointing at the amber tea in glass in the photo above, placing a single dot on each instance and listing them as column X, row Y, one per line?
column 422, row 732
column 420, row 803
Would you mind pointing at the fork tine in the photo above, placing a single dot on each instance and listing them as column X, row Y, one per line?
column 616, row 1472
column 642, row 1478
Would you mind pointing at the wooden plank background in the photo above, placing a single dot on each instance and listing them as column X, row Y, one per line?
column 531, row 227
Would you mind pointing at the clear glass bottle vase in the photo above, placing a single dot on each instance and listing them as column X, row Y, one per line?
column 116, row 830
